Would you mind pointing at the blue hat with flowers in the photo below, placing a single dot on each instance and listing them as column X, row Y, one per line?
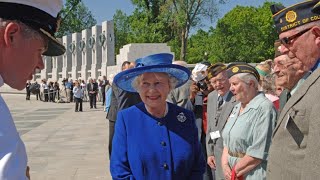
column 153, row 63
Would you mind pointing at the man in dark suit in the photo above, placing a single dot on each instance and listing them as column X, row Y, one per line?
column 103, row 89
column 220, row 105
column 120, row 99
column 294, row 152
column 92, row 89
column 28, row 84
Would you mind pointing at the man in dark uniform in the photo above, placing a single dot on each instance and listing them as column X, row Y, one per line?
column 294, row 152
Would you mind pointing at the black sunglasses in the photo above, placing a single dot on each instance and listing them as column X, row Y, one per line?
column 287, row 40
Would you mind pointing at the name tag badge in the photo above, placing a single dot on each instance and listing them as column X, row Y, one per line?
column 215, row 135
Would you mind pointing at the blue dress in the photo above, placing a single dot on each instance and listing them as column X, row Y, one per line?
column 146, row 147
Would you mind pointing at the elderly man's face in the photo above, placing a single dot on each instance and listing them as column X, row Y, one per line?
column 305, row 47
column 220, row 83
column 288, row 71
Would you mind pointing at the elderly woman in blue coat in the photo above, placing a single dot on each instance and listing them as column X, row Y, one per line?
column 155, row 139
column 247, row 134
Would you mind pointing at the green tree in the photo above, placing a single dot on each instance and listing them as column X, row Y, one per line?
column 198, row 47
column 75, row 18
column 245, row 34
column 188, row 14
column 145, row 25
column 171, row 20
column 121, row 28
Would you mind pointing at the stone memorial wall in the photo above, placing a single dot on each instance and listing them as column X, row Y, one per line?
column 91, row 54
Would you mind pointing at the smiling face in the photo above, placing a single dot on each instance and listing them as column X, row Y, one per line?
column 220, row 83
column 21, row 55
column 288, row 71
column 153, row 89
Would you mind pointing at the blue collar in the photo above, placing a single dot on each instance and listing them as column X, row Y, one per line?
column 316, row 66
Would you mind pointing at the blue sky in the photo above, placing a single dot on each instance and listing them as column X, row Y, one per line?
column 104, row 10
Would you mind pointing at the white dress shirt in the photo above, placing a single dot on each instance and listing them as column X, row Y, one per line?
column 13, row 155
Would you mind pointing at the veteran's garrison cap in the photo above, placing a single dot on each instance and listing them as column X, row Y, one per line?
column 286, row 18
column 241, row 67
column 215, row 69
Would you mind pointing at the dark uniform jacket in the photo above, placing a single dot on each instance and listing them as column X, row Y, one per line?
column 294, row 152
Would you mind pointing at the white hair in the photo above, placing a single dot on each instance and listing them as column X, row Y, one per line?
column 247, row 77
column 172, row 82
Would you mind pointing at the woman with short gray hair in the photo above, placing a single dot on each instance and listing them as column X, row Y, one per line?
column 247, row 134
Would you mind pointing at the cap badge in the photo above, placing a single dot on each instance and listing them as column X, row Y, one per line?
column 181, row 117
column 235, row 69
column 291, row 16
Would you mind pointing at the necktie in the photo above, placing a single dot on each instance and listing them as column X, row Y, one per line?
column 220, row 101
column 288, row 96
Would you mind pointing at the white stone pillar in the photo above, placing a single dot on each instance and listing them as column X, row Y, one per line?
column 57, row 68
column 108, row 46
column 96, row 52
column 46, row 73
column 76, row 56
column 67, row 57
column 85, row 54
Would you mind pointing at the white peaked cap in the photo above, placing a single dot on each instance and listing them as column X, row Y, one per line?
column 51, row 7
column 41, row 15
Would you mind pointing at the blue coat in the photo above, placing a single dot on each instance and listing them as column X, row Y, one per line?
column 145, row 147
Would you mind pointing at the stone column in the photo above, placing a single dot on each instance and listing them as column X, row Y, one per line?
column 57, row 68
column 96, row 52
column 106, row 38
column 46, row 73
column 76, row 56
column 67, row 57
column 85, row 54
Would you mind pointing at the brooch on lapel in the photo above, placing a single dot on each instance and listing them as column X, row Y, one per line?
column 181, row 117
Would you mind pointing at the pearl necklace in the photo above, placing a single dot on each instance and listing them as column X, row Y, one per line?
column 165, row 112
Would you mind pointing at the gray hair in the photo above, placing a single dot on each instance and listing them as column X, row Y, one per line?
column 172, row 82
column 247, row 77
column 27, row 31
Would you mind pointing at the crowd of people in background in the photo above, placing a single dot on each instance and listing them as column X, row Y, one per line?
column 222, row 121
column 70, row 90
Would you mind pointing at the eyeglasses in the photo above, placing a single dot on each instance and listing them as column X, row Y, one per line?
column 287, row 40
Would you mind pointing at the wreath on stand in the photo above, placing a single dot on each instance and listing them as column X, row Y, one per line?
column 91, row 42
column 102, row 39
column 82, row 44
column 72, row 47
